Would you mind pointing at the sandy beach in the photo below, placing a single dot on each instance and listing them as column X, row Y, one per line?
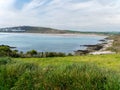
column 104, row 49
column 64, row 34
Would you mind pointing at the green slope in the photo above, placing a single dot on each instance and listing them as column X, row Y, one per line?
column 99, row 72
column 33, row 29
column 47, row 30
column 107, row 61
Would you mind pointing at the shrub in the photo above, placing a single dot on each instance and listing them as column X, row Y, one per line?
column 15, row 53
column 4, row 61
column 54, row 54
column 31, row 53
column 5, row 50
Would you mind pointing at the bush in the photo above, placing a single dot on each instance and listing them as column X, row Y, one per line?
column 15, row 53
column 5, row 50
column 31, row 53
column 4, row 61
column 70, row 54
column 54, row 54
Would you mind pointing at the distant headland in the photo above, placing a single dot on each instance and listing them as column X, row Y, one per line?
column 46, row 30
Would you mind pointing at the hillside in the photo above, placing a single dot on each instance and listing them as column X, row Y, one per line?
column 99, row 72
column 33, row 29
column 30, row 29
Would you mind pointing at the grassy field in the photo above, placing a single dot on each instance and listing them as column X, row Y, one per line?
column 91, row 72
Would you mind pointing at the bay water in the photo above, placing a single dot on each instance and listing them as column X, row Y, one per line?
column 48, row 42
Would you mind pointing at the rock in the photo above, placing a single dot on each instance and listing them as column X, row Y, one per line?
column 102, row 40
column 90, row 48
column 81, row 52
column 94, row 47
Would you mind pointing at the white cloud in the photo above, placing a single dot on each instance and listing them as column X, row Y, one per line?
column 63, row 14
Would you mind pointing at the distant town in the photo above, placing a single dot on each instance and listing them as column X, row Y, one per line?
column 12, row 30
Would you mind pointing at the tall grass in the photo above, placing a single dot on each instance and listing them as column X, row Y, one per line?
column 31, row 76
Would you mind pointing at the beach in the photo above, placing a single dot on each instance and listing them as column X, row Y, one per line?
column 104, row 49
column 97, row 49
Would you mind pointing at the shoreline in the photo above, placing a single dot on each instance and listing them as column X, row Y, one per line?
column 98, row 49
column 57, row 34
column 104, row 49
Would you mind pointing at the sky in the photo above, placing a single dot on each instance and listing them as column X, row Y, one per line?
column 80, row 15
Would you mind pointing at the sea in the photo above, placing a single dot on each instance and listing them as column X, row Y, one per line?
column 48, row 42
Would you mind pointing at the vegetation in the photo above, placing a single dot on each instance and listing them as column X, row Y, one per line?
column 7, row 51
column 31, row 53
column 31, row 29
column 34, row 53
column 61, row 73
column 116, row 43
column 25, row 71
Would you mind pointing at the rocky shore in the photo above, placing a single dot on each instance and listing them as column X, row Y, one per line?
column 100, row 48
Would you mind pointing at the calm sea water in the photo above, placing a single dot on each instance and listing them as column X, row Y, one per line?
column 50, row 43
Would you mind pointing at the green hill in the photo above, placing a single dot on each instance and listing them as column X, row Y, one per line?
column 99, row 72
column 31, row 29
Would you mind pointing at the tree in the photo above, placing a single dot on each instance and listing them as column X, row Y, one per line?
column 5, row 50
column 32, row 53
column 15, row 53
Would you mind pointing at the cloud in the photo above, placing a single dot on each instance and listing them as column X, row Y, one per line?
column 63, row 14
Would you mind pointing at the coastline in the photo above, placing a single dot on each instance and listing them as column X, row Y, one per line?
column 57, row 34
column 98, row 49
column 104, row 49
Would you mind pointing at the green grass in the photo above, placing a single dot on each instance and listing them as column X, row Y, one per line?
column 91, row 72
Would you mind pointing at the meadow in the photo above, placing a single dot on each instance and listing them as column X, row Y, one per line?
column 89, row 72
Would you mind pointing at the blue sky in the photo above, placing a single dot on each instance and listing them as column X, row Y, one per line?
column 20, row 3
column 81, row 15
